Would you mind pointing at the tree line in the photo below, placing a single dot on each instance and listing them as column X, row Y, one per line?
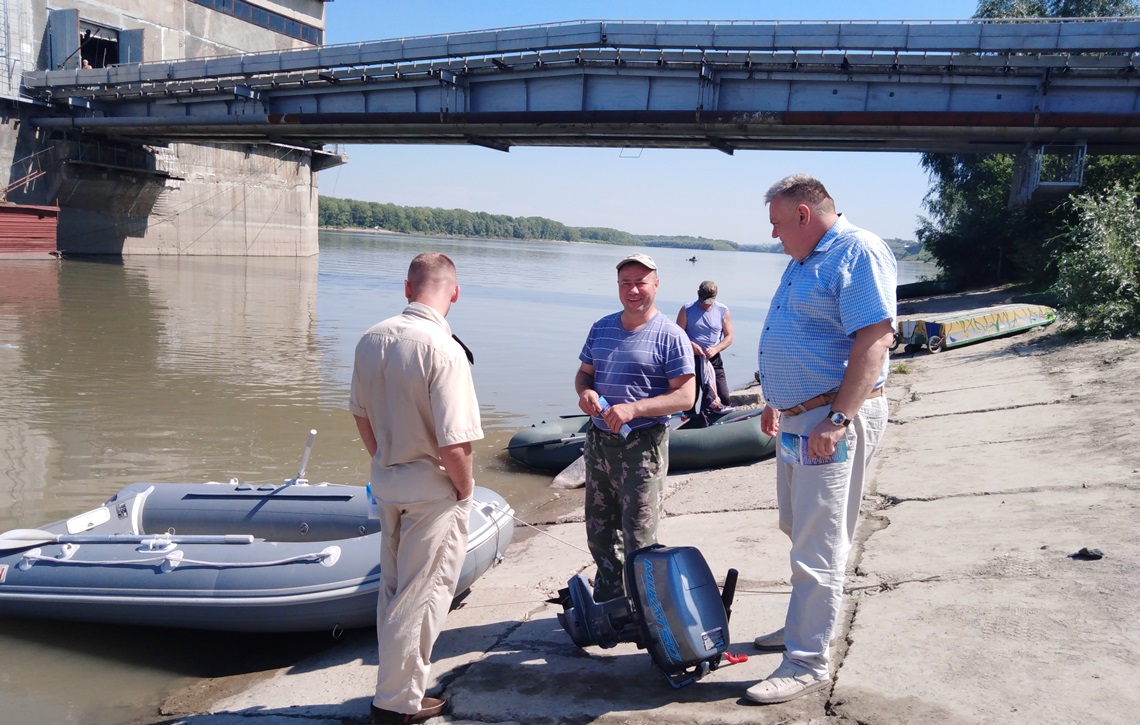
column 353, row 214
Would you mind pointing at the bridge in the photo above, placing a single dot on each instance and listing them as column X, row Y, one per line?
column 959, row 86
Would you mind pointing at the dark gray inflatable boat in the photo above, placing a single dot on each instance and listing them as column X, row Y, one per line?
column 221, row 556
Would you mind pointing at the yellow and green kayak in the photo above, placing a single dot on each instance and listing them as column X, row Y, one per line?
column 961, row 328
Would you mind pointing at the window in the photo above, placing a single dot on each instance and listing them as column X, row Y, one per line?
column 276, row 22
column 98, row 45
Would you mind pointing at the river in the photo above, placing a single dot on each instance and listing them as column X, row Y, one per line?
column 197, row 369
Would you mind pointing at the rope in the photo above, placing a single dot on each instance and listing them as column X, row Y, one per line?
column 320, row 556
column 567, row 543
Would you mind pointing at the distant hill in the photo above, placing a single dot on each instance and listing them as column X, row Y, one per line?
column 773, row 248
column 908, row 249
column 904, row 249
column 352, row 214
column 654, row 240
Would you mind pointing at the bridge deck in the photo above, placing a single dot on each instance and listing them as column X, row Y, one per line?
column 932, row 86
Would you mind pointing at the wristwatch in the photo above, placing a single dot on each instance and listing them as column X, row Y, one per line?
column 838, row 418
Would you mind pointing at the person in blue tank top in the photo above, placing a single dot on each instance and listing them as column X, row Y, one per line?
column 636, row 370
column 708, row 323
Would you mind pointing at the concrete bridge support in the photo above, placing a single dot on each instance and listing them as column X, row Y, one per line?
column 251, row 199
column 197, row 199
column 248, row 199
column 156, row 195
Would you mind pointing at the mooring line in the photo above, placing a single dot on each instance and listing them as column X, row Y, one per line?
column 567, row 543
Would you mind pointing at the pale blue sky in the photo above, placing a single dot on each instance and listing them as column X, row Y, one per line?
column 651, row 191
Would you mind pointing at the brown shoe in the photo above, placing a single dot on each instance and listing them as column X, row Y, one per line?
column 429, row 708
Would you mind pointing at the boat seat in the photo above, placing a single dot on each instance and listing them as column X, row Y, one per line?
column 283, row 513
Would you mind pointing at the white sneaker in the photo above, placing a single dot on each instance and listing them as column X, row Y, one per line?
column 771, row 642
column 784, row 684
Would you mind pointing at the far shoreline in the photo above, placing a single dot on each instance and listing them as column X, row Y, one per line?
column 426, row 235
column 362, row 230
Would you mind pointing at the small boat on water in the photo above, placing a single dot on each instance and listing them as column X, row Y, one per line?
column 221, row 556
column 960, row 328
column 733, row 439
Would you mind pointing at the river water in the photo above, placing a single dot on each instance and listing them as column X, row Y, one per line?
column 198, row 369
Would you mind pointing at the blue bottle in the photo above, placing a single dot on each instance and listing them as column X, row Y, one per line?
column 625, row 430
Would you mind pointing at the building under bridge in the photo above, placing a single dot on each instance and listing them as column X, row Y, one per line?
column 126, row 197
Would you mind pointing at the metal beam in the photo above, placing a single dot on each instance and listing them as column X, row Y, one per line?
column 950, row 132
column 959, row 86
column 1113, row 35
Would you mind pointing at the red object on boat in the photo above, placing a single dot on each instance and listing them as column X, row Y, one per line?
column 27, row 231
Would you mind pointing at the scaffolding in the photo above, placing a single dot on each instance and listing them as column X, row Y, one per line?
column 15, row 48
column 24, row 172
column 1047, row 172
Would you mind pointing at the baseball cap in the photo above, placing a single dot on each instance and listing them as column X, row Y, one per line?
column 642, row 259
column 707, row 290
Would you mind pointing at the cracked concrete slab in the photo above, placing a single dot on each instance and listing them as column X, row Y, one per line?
column 1006, row 535
column 704, row 491
column 1023, row 649
column 1009, row 450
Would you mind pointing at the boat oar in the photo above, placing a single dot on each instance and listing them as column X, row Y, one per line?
column 550, row 441
column 675, row 420
column 23, row 538
column 730, row 418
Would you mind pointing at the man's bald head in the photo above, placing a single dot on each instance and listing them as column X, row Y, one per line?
column 803, row 189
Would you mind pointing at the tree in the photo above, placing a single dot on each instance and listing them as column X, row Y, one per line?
column 1055, row 8
column 970, row 231
column 1099, row 275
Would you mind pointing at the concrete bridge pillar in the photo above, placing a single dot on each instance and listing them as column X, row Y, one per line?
column 189, row 199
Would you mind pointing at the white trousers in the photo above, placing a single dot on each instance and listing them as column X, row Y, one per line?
column 819, row 509
column 422, row 547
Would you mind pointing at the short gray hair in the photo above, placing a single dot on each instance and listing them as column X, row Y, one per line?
column 431, row 268
column 801, row 189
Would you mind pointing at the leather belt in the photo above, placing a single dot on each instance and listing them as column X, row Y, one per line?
column 822, row 399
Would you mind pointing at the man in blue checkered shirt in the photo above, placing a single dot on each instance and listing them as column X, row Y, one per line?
column 823, row 363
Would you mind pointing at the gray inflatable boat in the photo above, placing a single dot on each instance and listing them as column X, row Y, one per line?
column 221, row 556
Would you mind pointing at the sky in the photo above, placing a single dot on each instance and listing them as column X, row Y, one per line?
column 694, row 192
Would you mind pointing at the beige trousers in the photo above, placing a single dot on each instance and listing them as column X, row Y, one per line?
column 422, row 547
column 819, row 511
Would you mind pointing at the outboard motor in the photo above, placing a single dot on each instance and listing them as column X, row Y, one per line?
column 672, row 608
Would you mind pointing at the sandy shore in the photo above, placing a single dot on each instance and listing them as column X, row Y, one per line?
column 964, row 602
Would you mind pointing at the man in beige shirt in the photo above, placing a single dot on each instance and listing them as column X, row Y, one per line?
column 414, row 403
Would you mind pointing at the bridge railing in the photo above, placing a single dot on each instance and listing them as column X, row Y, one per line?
column 915, row 37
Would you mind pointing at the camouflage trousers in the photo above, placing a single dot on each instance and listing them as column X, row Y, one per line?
column 624, row 489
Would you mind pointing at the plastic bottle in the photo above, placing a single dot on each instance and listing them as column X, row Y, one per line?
column 373, row 508
column 625, row 430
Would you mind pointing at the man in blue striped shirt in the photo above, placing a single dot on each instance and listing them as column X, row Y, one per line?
column 823, row 362
column 636, row 370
